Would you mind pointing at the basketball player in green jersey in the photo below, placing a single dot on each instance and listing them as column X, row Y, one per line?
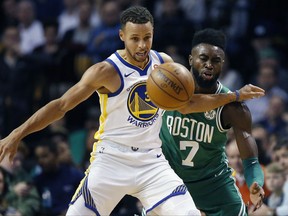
column 194, row 143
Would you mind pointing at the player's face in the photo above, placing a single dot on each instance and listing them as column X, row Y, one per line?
column 234, row 157
column 138, row 40
column 46, row 159
column 281, row 156
column 274, row 181
column 207, row 63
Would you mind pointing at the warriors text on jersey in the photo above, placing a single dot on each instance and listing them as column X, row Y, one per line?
column 128, row 115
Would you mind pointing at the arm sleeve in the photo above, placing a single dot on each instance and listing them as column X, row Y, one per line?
column 253, row 171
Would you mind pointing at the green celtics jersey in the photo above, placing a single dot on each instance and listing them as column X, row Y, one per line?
column 196, row 149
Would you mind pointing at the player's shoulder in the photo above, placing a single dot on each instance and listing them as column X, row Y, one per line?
column 166, row 57
column 235, row 112
column 101, row 75
column 103, row 68
column 236, row 107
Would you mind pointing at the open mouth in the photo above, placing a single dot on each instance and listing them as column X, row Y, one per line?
column 207, row 75
column 141, row 54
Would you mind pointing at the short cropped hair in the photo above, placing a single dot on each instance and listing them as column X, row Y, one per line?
column 209, row 36
column 49, row 144
column 281, row 143
column 137, row 15
column 275, row 168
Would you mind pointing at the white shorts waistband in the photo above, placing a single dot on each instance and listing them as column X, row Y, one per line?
column 123, row 148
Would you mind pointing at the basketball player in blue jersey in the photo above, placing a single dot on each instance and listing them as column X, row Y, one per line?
column 194, row 143
column 127, row 157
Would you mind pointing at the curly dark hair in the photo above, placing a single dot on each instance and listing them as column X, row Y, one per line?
column 136, row 14
column 209, row 36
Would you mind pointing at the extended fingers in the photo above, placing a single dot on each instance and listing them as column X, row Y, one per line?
column 259, row 202
column 2, row 153
column 256, row 88
column 12, row 154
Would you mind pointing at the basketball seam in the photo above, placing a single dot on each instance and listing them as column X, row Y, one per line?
column 178, row 81
column 164, row 92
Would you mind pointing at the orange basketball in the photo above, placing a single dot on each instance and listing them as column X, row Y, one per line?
column 170, row 86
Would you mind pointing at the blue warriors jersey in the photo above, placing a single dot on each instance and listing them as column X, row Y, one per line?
column 128, row 117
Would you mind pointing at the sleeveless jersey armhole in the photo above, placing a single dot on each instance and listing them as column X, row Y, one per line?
column 121, row 77
column 159, row 56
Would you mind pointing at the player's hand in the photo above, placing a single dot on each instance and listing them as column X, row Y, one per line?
column 256, row 195
column 250, row 91
column 9, row 146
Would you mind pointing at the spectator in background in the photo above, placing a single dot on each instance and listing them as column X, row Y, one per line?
column 264, row 142
column 22, row 196
column 259, row 38
column 8, row 13
column 272, row 57
column 235, row 162
column 281, row 207
column 237, row 30
column 64, row 152
column 55, row 70
column 230, row 77
column 76, row 39
column 16, row 82
column 68, row 18
column 94, row 17
column 105, row 37
column 60, row 138
column 56, row 182
column 3, row 192
column 275, row 179
column 274, row 121
column 267, row 78
column 48, row 9
column 31, row 30
column 82, row 140
column 170, row 23
column 195, row 11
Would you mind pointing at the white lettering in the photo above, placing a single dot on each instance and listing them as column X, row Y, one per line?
column 176, row 126
column 190, row 128
column 170, row 123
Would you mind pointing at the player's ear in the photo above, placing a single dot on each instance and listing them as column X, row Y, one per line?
column 190, row 60
column 121, row 34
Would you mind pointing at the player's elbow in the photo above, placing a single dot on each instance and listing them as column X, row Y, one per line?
column 191, row 107
column 60, row 106
column 183, row 110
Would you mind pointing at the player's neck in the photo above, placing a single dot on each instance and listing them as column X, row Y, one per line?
column 131, row 61
column 206, row 90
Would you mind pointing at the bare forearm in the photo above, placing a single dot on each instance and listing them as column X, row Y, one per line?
column 41, row 119
column 247, row 145
column 206, row 102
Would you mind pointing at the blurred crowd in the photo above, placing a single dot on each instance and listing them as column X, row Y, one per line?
column 46, row 45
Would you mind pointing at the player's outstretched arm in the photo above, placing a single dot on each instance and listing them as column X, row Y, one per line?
column 205, row 102
column 92, row 80
column 238, row 116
